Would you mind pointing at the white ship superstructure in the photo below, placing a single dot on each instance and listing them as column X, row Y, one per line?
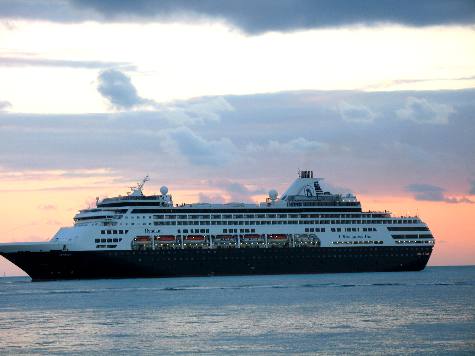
column 304, row 213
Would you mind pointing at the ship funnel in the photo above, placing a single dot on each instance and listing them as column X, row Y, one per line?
column 306, row 174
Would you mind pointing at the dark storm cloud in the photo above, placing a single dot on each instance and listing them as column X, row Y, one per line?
column 430, row 192
column 46, row 62
column 50, row 10
column 117, row 87
column 252, row 16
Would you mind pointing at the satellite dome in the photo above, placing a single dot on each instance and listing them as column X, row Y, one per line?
column 273, row 194
column 164, row 190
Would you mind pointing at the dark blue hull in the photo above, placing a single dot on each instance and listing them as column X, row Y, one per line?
column 55, row 265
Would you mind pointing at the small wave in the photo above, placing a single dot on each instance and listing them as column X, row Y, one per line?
column 13, row 281
column 467, row 283
column 184, row 288
column 71, row 291
column 46, row 292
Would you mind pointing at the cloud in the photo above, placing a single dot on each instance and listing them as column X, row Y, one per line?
column 200, row 151
column 195, row 111
column 117, row 87
column 238, row 191
column 355, row 113
column 423, row 111
column 4, row 105
column 472, row 188
column 297, row 145
column 206, row 109
column 262, row 141
column 396, row 82
column 211, row 198
column 430, row 192
column 247, row 15
column 426, row 192
column 49, row 10
column 235, row 191
column 47, row 62
column 119, row 90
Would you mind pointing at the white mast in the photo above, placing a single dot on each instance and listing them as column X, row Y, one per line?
column 137, row 191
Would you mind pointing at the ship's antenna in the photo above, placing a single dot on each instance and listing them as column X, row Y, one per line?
column 137, row 190
column 142, row 183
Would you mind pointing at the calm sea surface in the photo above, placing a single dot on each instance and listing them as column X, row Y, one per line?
column 428, row 312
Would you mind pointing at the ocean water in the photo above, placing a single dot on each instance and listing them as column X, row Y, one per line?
column 428, row 312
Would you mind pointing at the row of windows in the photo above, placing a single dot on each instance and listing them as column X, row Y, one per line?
column 415, row 242
column 352, row 229
column 358, row 251
column 235, row 235
column 270, row 251
column 314, row 229
column 319, row 203
column 196, row 231
column 244, row 258
column 257, row 216
column 365, row 242
column 114, row 232
column 408, row 228
column 273, row 222
column 244, row 211
column 413, row 236
column 336, row 205
column 282, row 216
column 225, row 231
column 107, row 240
column 93, row 217
column 106, row 246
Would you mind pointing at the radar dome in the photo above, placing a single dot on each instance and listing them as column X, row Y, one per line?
column 164, row 190
column 273, row 194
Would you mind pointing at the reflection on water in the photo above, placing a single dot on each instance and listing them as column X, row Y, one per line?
column 371, row 313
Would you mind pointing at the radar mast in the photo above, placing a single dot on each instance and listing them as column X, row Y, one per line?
column 137, row 191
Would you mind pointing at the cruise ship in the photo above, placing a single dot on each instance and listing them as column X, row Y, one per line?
column 304, row 230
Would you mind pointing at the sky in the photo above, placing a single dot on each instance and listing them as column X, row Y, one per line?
column 223, row 101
